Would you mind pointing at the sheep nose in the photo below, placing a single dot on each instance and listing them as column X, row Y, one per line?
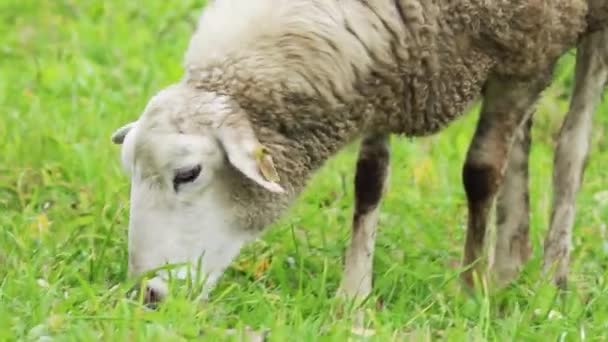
column 152, row 297
column 154, row 292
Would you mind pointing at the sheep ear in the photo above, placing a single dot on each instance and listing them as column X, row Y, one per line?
column 118, row 137
column 250, row 157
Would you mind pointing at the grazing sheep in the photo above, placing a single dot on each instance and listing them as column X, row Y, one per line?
column 273, row 88
column 512, row 243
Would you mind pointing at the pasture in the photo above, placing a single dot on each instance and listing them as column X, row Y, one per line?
column 73, row 71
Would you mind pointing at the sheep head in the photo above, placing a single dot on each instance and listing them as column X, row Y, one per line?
column 183, row 155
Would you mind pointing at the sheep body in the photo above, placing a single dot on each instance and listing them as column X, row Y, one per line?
column 313, row 76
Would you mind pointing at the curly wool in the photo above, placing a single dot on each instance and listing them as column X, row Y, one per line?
column 314, row 75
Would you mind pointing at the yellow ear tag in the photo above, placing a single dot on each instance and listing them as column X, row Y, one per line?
column 265, row 164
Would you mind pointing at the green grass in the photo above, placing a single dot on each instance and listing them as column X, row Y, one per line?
column 73, row 71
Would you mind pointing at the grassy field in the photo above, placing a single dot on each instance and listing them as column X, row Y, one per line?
column 72, row 71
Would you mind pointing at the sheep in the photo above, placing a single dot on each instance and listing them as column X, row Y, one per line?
column 512, row 243
column 274, row 88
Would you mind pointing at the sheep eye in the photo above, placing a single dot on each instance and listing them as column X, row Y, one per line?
column 185, row 175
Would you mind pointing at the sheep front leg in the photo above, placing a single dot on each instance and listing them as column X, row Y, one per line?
column 370, row 183
column 506, row 103
column 572, row 149
column 512, row 248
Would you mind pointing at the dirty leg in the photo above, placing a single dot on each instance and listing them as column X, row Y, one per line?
column 506, row 103
column 512, row 248
column 370, row 181
column 572, row 150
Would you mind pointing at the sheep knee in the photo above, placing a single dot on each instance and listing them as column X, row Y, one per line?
column 372, row 167
column 480, row 182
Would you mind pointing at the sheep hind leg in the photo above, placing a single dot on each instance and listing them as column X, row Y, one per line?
column 512, row 248
column 506, row 103
column 572, row 150
column 370, row 183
